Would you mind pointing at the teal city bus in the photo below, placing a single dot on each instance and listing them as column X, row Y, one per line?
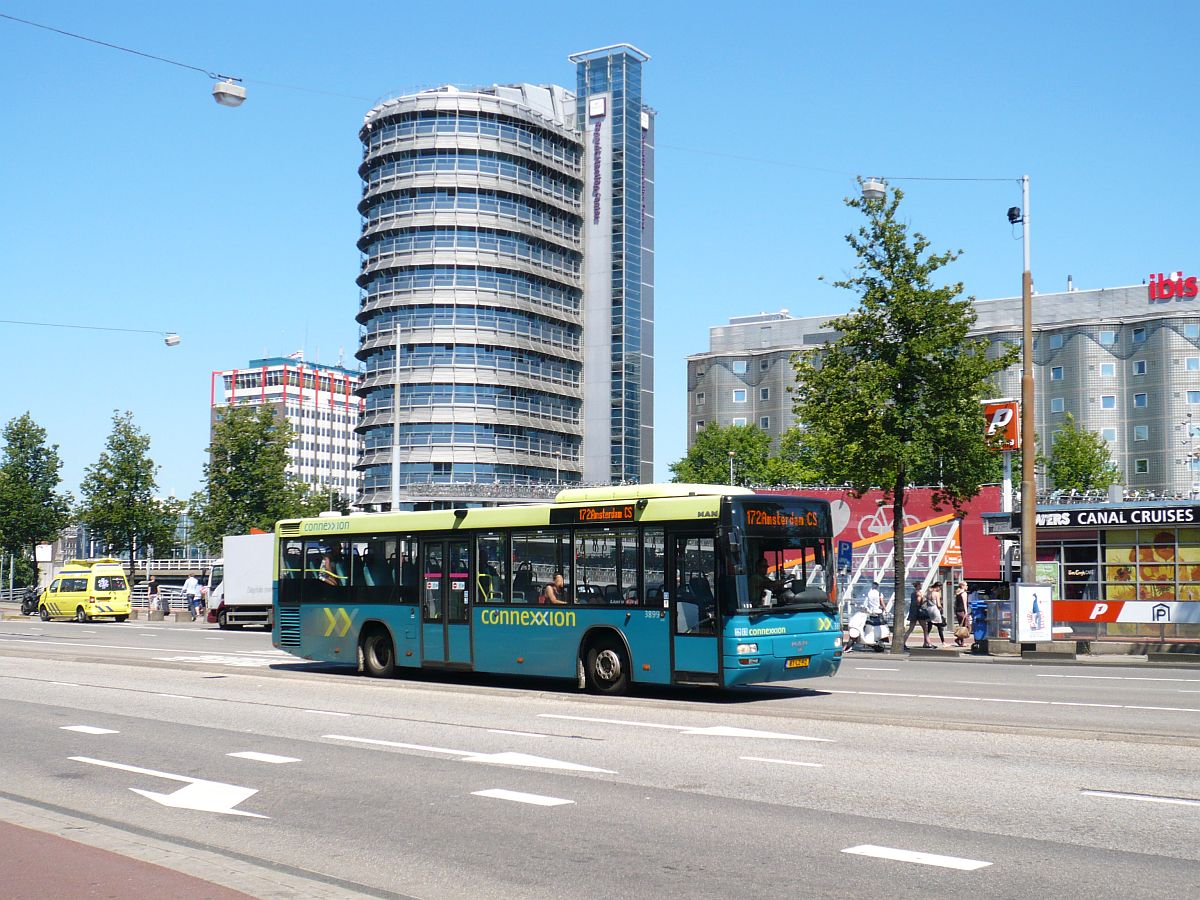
column 662, row 584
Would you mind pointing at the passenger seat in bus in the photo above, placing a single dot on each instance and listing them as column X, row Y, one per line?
column 687, row 617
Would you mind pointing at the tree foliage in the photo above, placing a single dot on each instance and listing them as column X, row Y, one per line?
column 32, row 509
column 245, row 480
column 1080, row 460
column 707, row 462
column 119, row 503
column 895, row 398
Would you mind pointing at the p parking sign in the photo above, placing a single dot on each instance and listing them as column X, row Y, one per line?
column 845, row 559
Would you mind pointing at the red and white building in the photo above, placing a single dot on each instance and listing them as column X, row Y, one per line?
column 319, row 401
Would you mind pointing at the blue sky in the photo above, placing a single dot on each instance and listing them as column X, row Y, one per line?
column 129, row 199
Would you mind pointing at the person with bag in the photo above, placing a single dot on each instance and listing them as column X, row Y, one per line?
column 962, row 628
column 933, row 609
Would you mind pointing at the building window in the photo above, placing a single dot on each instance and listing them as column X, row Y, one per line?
column 1056, row 341
column 700, row 398
column 1139, row 367
column 1141, row 432
column 739, row 422
column 1192, row 363
column 1139, row 335
column 1193, row 397
column 765, row 423
column 1108, row 370
column 1057, row 404
column 739, row 395
column 1056, row 373
column 739, row 367
column 1141, row 401
column 1108, row 401
column 764, row 393
column 699, row 424
column 764, row 365
column 1108, row 338
column 1191, row 330
column 1109, row 434
column 1141, row 467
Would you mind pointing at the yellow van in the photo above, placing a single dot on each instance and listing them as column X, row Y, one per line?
column 87, row 589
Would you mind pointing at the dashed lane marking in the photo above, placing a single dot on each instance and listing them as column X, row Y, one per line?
column 263, row 757
column 1122, row 678
column 783, row 762
column 711, row 731
column 957, row 698
column 1146, row 798
column 327, row 712
column 518, row 733
column 518, row 797
column 524, row 760
column 914, row 856
column 88, row 729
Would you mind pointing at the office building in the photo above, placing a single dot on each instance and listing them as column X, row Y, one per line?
column 506, row 304
column 1124, row 362
column 319, row 401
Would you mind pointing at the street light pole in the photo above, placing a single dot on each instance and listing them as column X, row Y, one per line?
column 731, row 457
column 1028, row 445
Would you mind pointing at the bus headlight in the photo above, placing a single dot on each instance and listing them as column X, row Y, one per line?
column 747, row 648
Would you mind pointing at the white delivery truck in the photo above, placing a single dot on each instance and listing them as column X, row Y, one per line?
column 239, row 584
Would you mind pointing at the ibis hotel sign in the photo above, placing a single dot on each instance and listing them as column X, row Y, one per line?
column 1175, row 286
column 1115, row 517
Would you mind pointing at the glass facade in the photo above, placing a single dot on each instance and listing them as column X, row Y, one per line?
column 615, row 74
column 471, row 289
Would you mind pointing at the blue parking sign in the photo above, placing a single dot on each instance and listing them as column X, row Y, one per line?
column 845, row 556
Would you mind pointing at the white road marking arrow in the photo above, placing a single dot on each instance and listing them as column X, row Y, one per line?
column 913, row 856
column 206, row 796
column 497, row 759
column 518, row 797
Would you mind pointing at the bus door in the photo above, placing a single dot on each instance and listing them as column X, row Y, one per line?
column 692, row 580
column 445, row 603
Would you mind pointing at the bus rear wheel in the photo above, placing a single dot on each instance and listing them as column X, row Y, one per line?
column 607, row 666
column 378, row 654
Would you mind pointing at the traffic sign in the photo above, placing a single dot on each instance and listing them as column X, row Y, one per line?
column 845, row 556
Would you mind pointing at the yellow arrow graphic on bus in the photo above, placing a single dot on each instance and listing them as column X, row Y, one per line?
column 824, row 624
column 332, row 619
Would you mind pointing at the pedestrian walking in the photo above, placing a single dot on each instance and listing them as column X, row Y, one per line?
column 191, row 590
column 937, row 619
column 917, row 615
column 152, row 595
column 962, row 614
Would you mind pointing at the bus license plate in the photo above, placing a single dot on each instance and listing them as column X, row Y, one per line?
column 799, row 662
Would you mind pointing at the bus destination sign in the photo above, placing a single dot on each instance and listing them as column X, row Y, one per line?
column 757, row 517
column 592, row 515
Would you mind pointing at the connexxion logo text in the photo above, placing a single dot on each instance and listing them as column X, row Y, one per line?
column 1172, row 287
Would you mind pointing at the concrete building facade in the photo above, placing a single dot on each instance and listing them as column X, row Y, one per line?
column 1124, row 362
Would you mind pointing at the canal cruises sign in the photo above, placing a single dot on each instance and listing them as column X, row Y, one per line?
column 1116, row 516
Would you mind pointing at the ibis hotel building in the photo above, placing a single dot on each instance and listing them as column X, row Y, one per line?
column 1124, row 362
column 507, row 277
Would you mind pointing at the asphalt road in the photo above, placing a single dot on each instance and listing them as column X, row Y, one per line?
column 944, row 777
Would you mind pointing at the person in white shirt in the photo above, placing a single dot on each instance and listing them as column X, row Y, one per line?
column 874, row 604
column 191, row 590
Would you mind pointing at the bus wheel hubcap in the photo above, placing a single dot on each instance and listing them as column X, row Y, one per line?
column 608, row 665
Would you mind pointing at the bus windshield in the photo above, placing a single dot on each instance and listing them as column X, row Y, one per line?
column 786, row 562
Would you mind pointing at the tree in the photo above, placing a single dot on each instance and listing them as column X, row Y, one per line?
column 245, row 480
column 707, row 462
column 794, row 463
column 896, row 395
column 119, row 503
column 32, row 509
column 1080, row 460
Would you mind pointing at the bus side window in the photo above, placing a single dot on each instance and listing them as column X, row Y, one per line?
column 653, row 568
column 404, row 564
column 492, row 570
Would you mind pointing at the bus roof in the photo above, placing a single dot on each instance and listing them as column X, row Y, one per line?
column 647, row 491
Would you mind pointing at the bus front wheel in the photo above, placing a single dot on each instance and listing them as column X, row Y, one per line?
column 378, row 654
column 607, row 666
